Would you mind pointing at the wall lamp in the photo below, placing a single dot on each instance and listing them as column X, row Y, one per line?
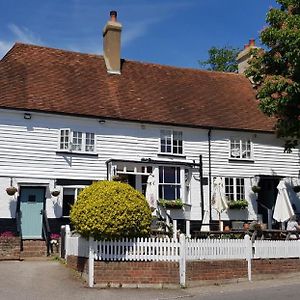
column 101, row 121
column 27, row 116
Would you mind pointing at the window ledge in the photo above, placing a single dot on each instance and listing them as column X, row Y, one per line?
column 243, row 160
column 93, row 154
column 171, row 155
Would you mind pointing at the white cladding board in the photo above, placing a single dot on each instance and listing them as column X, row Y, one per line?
column 28, row 149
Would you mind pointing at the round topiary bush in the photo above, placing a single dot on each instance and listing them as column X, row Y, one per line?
column 110, row 209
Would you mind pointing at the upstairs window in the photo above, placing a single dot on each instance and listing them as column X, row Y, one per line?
column 171, row 142
column 240, row 149
column 234, row 188
column 76, row 141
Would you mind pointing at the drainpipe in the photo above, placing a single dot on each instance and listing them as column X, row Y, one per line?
column 209, row 172
column 201, row 185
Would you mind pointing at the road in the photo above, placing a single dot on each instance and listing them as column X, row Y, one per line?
column 47, row 280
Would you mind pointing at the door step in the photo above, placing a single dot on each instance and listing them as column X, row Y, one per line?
column 33, row 248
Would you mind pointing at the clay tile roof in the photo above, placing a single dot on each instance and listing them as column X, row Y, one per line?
column 51, row 80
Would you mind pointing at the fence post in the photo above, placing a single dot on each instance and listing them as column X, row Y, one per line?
column 67, row 236
column 248, row 245
column 182, row 260
column 91, row 261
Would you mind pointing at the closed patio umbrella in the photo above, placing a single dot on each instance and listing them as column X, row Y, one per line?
column 283, row 209
column 151, row 194
column 219, row 200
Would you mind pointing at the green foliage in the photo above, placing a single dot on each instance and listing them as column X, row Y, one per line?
column 110, row 209
column 171, row 203
column 276, row 71
column 238, row 204
column 221, row 59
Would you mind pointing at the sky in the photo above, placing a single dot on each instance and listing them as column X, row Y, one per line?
column 168, row 32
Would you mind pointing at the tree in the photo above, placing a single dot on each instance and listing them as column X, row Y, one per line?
column 109, row 209
column 221, row 59
column 276, row 71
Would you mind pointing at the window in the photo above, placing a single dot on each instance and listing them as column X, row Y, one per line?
column 234, row 188
column 240, row 149
column 169, row 183
column 69, row 197
column 77, row 141
column 171, row 142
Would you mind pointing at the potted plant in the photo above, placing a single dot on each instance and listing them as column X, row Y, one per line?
column 11, row 190
column 238, row 204
column 177, row 203
column 55, row 192
column 256, row 189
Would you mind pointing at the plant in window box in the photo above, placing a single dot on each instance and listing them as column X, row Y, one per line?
column 256, row 189
column 296, row 188
column 177, row 203
column 238, row 204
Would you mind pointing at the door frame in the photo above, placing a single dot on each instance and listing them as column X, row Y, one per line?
column 22, row 187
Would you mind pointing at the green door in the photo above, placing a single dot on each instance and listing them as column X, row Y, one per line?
column 31, row 206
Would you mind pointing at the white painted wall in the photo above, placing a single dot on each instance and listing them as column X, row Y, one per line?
column 28, row 149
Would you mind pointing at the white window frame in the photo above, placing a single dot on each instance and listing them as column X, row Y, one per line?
column 243, row 146
column 235, row 184
column 173, row 142
column 177, row 177
column 84, row 146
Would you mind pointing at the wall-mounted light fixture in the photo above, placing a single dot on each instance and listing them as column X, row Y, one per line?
column 101, row 121
column 27, row 116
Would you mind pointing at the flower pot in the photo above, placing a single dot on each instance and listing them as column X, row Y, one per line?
column 55, row 193
column 11, row 190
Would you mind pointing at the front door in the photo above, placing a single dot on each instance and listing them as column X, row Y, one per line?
column 31, row 206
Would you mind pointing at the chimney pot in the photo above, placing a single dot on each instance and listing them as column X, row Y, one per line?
column 252, row 42
column 113, row 16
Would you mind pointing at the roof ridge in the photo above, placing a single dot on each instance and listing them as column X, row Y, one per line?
column 130, row 61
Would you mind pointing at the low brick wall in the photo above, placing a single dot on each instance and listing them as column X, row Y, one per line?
column 275, row 266
column 9, row 248
column 216, row 270
column 118, row 274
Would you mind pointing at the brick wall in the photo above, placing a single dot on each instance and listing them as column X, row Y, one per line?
column 275, row 266
column 9, row 248
column 216, row 270
column 129, row 273
column 167, row 273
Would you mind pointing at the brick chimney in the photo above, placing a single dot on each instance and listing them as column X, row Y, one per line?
column 244, row 56
column 112, row 44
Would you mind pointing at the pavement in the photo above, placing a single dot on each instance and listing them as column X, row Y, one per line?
column 49, row 279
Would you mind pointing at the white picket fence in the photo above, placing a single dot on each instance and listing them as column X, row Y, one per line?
column 182, row 250
column 276, row 249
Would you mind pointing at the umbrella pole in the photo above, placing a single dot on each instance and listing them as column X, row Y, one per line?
column 220, row 222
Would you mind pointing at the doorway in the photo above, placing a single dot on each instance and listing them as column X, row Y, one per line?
column 31, row 201
column 267, row 196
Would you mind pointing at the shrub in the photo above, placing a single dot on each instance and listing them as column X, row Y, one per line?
column 110, row 209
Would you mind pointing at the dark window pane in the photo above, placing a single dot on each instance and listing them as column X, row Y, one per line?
column 169, row 192
column 68, row 200
column 169, row 175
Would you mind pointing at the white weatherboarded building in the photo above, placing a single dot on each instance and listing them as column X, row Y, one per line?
column 67, row 119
